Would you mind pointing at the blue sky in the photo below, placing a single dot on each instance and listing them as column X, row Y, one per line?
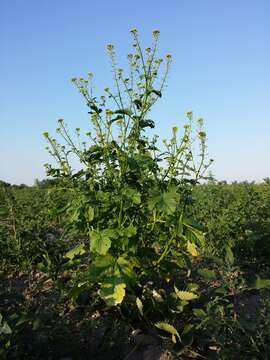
column 220, row 70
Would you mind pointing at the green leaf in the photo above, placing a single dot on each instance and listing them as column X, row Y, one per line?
column 229, row 258
column 125, row 266
column 130, row 231
column 146, row 123
column 192, row 287
column 179, row 226
column 187, row 329
column 75, row 216
column 89, row 214
column 95, row 108
column 138, row 103
column 262, row 283
column 139, row 306
column 207, row 274
column 136, row 198
column 157, row 92
column 193, row 233
column 185, row 295
column 112, row 290
column 36, row 324
column 192, row 249
column 165, row 202
column 124, row 112
column 100, row 240
column 168, row 328
column 199, row 313
column 118, row 117
column 5, row 329
column 78, row 250
column 101, row 267
column 133, row 195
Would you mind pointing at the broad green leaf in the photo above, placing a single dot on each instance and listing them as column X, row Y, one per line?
column 262, row 283
column 112, row 290
column 89, row 214
column 22, row 320
column 170, row 201
column 185, row 295
column 168, row 328
column 199, row 313
column 132, row 195
column 130, row 231
column 192, row 287
column 100, row 240
column 229, row 258
column 207, row 273
column 187, row 328
column 5, row 329
column 75, row 216
column 198, row 235
column 192, row 249
column 78, row 250
column 139, row 305
column 125, row 267
column 41, row 266
column 100, row 267
column 136, row 198
column 111, row 233
column 165, row 202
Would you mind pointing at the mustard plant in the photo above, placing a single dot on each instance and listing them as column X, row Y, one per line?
column 131, row 192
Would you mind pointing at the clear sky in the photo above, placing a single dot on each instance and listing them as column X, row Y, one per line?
column 220, row 70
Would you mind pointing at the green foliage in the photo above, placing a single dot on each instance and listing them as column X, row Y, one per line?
column 30, row 225
column 170, row 329
column 5, row 332
column 236, row 215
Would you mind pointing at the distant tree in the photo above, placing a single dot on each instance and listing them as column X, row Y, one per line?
column 4, row 184
column 45, row 183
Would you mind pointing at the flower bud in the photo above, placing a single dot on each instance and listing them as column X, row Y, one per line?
column 134, row 31
column 109, row 47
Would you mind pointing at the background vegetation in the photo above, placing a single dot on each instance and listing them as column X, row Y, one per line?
column 32, row 250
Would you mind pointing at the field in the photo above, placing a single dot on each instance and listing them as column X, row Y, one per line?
column 41, row 319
